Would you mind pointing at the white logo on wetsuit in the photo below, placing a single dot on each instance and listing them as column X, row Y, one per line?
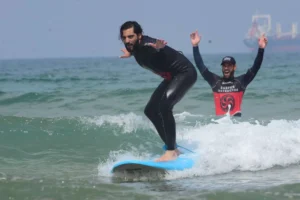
column 227, row 83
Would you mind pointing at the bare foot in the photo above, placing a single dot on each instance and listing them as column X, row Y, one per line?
column 178, row 152
column 169, row 155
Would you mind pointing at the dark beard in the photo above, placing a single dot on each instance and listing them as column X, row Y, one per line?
column 230, row 76
column 134, row 48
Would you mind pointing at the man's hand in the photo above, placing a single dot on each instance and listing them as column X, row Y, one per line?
column 195, row 38
column 126, row 53
column 159, row 44
column 262, row 41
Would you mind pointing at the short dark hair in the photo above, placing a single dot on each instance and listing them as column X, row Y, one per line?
column 129, row 24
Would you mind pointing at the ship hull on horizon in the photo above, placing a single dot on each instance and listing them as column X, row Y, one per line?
column 278, row 41
column 275, row 45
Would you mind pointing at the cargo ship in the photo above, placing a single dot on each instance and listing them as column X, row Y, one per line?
column 278, row 41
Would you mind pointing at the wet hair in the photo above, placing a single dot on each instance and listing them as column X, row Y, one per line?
column 137, row 29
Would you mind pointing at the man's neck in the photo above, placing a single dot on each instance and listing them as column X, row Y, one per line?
column 231, row 78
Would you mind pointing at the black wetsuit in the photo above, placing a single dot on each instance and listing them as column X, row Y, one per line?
column 228, row 91
column 179, row 76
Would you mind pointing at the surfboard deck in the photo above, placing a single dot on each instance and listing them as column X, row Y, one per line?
column 141, row 170
column 148, row 170
column 184, row 161
column 180, row 163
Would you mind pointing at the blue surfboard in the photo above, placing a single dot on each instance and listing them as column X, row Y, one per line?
column 184, row 161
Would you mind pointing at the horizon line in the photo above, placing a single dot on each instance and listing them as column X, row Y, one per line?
column 97, row 57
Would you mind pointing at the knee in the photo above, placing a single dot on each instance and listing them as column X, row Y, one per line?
column 153, row 110
column 193, row 76
column 150, row 110
column 167, row 107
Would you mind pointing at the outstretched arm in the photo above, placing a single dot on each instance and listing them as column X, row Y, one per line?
column 251, row 73
column 207, row 75
column 126, row 54
column 198, row 60
column 157, row 44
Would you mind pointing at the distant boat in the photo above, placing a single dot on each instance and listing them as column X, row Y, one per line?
column 278, row 41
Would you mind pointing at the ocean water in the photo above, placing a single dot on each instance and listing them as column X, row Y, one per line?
column 65, row 122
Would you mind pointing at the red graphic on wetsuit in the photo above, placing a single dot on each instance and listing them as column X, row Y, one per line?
column 165, row 75
column 227, row 100
column 223, row 100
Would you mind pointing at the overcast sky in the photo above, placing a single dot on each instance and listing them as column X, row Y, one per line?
column 89, row 28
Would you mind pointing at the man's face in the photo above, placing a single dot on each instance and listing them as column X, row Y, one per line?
column 130, row 39
column 228, row 69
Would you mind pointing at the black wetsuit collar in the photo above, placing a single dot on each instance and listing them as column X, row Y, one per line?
column 231, row 78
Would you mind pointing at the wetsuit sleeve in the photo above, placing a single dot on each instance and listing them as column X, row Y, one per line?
column 147, row 39
column 251, row 73
column 210, row 77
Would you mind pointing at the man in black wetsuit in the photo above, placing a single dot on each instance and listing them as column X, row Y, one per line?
column 179, row 76
column 228, row 90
